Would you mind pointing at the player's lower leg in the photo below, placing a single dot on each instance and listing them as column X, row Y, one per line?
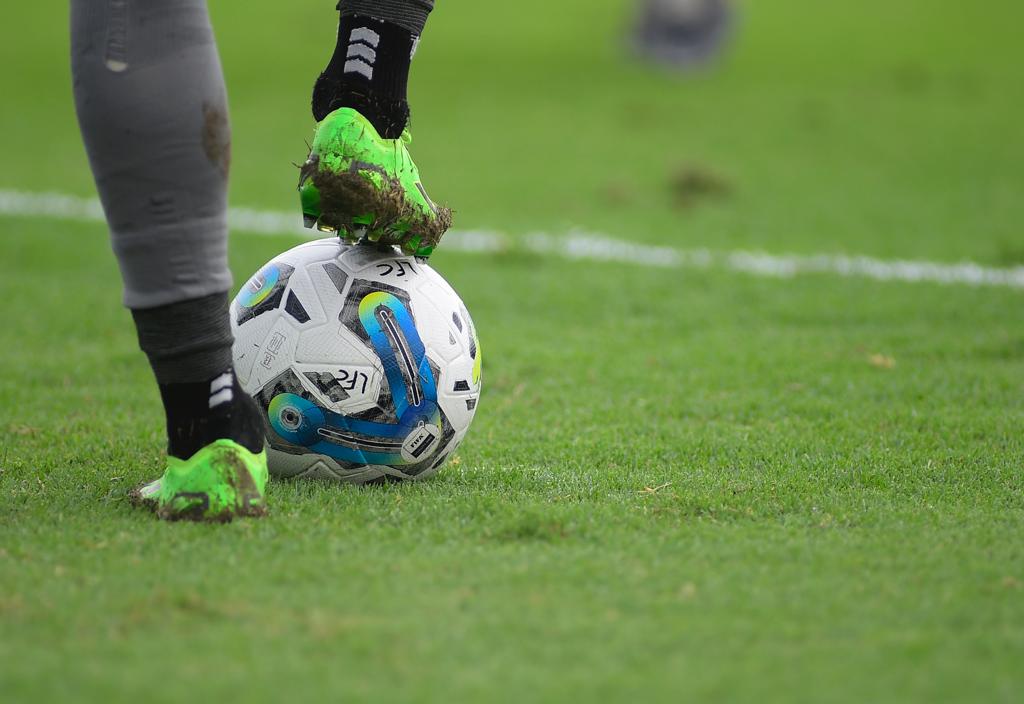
column 216, row 466
column 359, row 179
column 153, row 111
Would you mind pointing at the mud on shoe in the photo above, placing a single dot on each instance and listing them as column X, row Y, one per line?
column 360, row 185
column 220, row 482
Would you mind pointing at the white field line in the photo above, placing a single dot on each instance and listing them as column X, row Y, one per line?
column 583, row 246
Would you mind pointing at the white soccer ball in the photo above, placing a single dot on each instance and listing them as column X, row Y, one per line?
column 365, row 362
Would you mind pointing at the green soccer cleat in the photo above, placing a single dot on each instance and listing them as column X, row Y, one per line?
column 360, row 185
column 221, row 481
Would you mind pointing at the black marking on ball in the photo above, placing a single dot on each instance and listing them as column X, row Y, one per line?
column 294, row 308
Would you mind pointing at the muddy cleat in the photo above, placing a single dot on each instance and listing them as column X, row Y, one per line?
column 361, row 185
column 146, row 495
column 221, row 481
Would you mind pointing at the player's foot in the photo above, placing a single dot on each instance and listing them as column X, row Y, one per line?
column 361, row 185
column 220, row 482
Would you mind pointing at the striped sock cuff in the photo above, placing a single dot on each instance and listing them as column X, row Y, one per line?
column 408, row 14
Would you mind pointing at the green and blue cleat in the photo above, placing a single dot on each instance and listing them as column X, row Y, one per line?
column 220, row 482
column 360, row 185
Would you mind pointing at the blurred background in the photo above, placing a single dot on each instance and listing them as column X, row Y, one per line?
column 890, row 128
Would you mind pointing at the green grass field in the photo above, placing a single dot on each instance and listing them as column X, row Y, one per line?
column 681, row 485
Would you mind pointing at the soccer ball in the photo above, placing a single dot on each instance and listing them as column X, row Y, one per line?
column 365, row 362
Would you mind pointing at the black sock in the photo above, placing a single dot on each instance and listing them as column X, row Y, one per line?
column 368, row 72
column 189, row 348
column 200, row 412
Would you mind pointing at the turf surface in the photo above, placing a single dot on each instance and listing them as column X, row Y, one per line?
column 679, row 485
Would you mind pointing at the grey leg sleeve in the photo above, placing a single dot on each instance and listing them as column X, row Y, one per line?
column 153, row 112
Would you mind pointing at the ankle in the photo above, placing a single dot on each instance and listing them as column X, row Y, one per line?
column 199, row 413
column 369, row 72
